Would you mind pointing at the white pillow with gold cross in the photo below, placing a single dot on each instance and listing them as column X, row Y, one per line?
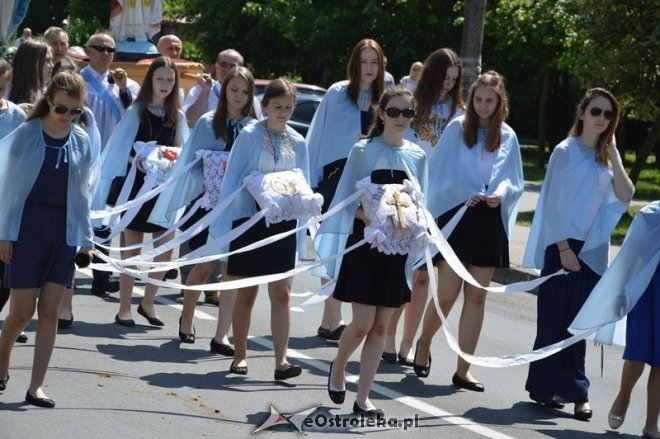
column 285, row 195
column 397, row 224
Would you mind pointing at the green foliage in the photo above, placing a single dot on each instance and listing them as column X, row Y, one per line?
column 616, row 45
column 87, row 18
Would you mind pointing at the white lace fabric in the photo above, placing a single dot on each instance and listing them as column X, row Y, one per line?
column 214, row 168
column 285, row 195
column 397, row 224
column 156, row 159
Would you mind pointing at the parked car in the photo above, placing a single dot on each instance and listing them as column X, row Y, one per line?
column 306, row 105
column 260, row 86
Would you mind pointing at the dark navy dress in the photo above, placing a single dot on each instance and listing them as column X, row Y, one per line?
column 368, row 276
column 561, row 375
column 41, row 253
column 643, row 326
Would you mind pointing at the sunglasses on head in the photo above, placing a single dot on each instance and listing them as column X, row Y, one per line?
column 104, row 49
column 394, row 112
column 227, row 65
column 607, row 114
column 61, row 109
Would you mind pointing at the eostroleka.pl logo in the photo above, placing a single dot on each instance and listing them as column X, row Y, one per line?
column 324, row 421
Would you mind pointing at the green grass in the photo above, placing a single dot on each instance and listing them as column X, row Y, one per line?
column 647, row 187
column 619, row 232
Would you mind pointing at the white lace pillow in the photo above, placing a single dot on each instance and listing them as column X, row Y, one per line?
column 214, row 168
column 156, row 159
column 285, row 195
column 397, row 224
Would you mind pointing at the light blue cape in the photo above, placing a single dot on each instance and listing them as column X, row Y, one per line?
column 114, row 157
column 243, row 159
column 569, row 184
column 22, row 154
column 624, row 282
column 333, row 233
column 454, row 174
column 190, row 185
column 334, row 130
column 12, row 117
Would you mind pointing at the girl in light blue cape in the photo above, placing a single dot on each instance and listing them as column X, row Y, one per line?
column 343, row 118
column 584, row 193
column 45, row 166
column 477, row 161
column 631, row 286
column 155, row 115
column 11, row 114
column 265, row 147
column 214, row 131
column 376, row 284
column 439, row 100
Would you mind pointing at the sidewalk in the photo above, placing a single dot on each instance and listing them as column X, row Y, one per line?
column 518, row 242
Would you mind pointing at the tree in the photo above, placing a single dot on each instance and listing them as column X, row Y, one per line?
column 473, row 32
column 625, row 61
column 536, row 34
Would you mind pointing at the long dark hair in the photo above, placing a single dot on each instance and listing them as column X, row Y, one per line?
column 147, row 90
column 495, row 81
column 605, row 137
column 353, row 71
column 221, row 112
column 70, row 83
column 430, row 84
column 27, row 82
column 276, row 88
column 378, row 126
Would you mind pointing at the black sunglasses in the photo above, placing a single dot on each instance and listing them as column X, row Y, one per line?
column 607, row 114
column 61, row 109
column 104, row 49
column 394, row 112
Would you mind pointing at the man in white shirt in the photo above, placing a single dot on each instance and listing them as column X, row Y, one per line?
column 109, row 94
column 58, row 40
column 203, row 97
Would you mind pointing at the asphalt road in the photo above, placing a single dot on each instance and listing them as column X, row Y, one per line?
column 115, row 382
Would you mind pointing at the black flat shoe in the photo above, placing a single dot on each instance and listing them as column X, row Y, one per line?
column 172, row 273
column 467, row 385
column 129, row 323
column 551, row 404
column 46, row 403
column 238, row 370
column 369, row 413
column 3, row 383
column 583, row 414
column 404, row 361
column 186, row 338
column 390, row 357
column 22, row 338
column 65, row 323
column 336, row 396
column 420, row 370
column 221, row 348
column 334, row 335
column 153, row 321
column 290, row 372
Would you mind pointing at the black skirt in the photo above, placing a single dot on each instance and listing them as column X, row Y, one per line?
column 199, row 239
column 277, row 257
column 479, row 237
column 140, row 223
column 368, row 276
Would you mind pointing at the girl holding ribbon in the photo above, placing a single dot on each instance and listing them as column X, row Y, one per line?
column 439, row 100
column 213, row 136
column 269, row 146
column 343, row 117
column 476, row 162
column 154, row 117
column 45, row 166
column 585, row 192
column 375, row 283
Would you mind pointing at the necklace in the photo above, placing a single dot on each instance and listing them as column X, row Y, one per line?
column 157, row 109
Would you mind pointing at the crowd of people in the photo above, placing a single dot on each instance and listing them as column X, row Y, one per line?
column 77, row 144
